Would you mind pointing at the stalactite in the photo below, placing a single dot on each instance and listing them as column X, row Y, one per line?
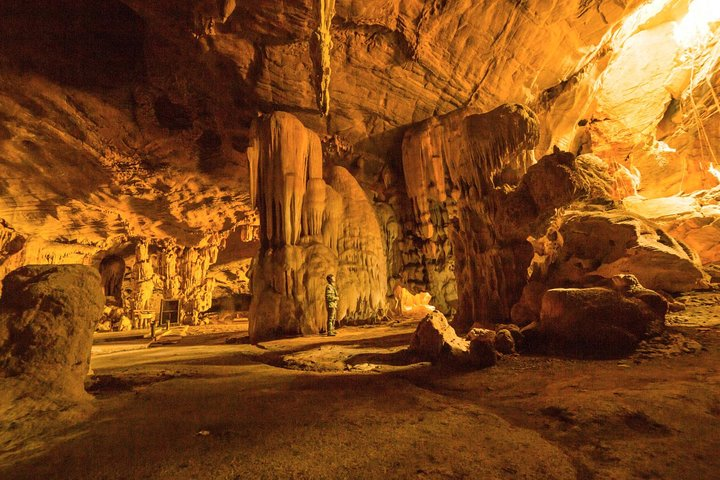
column 283, row 156
column 475, row 153
column 326, row 12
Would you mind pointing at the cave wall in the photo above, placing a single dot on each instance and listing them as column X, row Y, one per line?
column 477, row 155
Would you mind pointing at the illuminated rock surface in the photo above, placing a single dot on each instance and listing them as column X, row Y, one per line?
column 47, row 316
column 309, row 229
column 215, row 160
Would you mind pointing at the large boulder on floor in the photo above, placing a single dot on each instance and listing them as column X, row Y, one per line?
column 612, row 242
column 47, row 318
column 598, row 321
column 482, row 347
column 692, row 219
column 435, row 340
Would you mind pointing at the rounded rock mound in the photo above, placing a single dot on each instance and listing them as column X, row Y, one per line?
column 47, row 318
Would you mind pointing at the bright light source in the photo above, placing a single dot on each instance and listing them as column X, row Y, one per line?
column 662, row 147
column 694, row 28
column 714, row 171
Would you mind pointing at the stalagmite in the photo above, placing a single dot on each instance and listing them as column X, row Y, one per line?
column 169, row 271
column 144, row 278
column 362, row 267
column 195, row 292
column 309, row 229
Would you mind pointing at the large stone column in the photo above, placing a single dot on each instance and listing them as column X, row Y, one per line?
column 309, row 229
column 473, row 157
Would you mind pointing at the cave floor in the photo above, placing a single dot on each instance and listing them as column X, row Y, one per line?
column 357, row 407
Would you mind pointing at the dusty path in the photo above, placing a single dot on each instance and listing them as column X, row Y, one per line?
column 203, row 409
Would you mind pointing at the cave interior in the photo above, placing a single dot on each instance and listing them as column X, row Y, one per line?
column 519, row 201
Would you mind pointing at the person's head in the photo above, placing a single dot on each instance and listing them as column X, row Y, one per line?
column 330, row 278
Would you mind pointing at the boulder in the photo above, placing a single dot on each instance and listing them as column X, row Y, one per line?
column 598, row 321
column 514, row 330
column 435, row 340
column 47, row 318
column 504, row 342
column 612, row 242
column 482, row 347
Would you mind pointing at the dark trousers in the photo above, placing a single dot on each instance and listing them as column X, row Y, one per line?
column 332, row 313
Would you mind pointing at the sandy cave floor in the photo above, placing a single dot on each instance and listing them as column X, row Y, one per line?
column 357, row 407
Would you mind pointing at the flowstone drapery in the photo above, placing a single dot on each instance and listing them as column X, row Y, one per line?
column 309, row 229
column 467, row 157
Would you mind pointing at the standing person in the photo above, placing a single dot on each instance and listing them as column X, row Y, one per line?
column 331, row 302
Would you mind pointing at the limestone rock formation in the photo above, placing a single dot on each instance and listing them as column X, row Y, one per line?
column 146, row 134
column 612, row 242
column 435, row 340
column 476, row 154
column 47, row 317
column 495, row 262
column 483, row 347
column 582, row 237
column 309, row 229
column 504, row 342
column 603, row 322
column 692, row 219
column 11, row 245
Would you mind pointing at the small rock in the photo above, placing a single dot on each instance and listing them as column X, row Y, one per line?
column 482, row 347
column 504, row 342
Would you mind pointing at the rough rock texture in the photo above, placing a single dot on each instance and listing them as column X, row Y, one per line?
column 430, row 58
column 692, row 219
column 435, row 340
column 612, row 242
column 47, row 318
column 557, row 228
column 601, row 322
column 478, row 154
column 482, row 348
column 142, row 131
column 309, row 229
column 361, row 273
column 504, row 342
column 581, row 237
column 11, row 245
